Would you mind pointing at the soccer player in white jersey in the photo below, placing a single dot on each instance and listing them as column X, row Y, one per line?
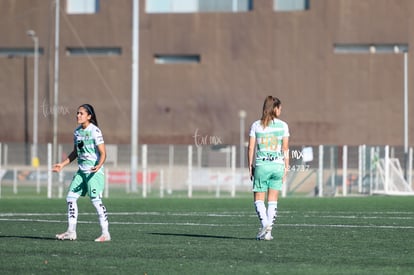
column 89, row 149
column 269, row 137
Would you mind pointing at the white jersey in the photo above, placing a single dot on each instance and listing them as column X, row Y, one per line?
column 86, row 142
column 269, row 141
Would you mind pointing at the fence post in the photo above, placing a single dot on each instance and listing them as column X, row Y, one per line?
column 144, row 170
column 364, row 161
column 410, row 166
column 128, row 184
column 161, row 183
column 320, row 172
column 190, row 171
column 170, row 167
column 1, row 172
column 386, row 168
column 361, row 166
column 218, row 185
column 233, row 170
column 49, row 171
column 371, row 169
column 332, row 168
column 14, row 180
column 344, row 170
column 37, row 180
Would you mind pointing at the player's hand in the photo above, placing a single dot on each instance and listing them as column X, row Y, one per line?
column 95, row 169
column 57, row 167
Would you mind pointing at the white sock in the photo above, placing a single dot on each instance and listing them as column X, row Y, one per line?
column 103, row 216
column 272, row 211
column 261, row 212
column 72, row 212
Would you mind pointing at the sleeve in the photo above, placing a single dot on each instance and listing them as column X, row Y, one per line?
column 253, row 130
column 286, row 130
column 75, row 137
column 97, row 135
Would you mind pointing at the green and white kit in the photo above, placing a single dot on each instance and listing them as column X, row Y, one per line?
column 269, row 159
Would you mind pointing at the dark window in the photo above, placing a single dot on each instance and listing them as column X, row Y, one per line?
column 176, row 58
column 93, row 51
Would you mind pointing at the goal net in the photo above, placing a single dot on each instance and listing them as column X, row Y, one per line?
column 390, row 178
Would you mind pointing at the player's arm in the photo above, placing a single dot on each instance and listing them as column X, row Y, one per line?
column 250, row 154
column 59, row 166
column 102, row 158
column 285, row 150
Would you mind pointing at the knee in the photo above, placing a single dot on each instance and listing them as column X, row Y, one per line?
column 72, row 197
column 96, row 200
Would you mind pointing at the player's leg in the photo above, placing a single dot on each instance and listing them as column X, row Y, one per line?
column 271, row 212
column 103, row 219
column 260, row 207
column 96, row 186
column 75, row 191
column 273, row 195
column 260, row 187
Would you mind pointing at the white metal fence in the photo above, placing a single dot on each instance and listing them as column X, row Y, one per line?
column 191, row 170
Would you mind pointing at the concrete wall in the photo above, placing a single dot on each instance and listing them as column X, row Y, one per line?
column 327, row 98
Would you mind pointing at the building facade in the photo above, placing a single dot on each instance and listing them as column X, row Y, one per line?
column 337, row 66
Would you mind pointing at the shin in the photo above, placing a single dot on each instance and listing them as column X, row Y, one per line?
column 71, row 200
column 102, row 214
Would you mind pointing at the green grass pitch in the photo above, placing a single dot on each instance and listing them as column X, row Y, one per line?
column 367, row 235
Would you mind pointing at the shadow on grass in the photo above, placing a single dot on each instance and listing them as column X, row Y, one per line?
column 199, row 236
column 27, row 237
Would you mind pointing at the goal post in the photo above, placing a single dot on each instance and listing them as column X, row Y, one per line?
column 390, row 177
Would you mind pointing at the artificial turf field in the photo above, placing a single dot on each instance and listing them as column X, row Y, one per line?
column 365, row 235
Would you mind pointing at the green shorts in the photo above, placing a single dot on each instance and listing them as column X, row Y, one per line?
column 91, row 184
column 269, row 176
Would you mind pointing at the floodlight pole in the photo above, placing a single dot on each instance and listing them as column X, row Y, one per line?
column 56, row 83
column 405, row 113
column 35, row 159
column 134, row 95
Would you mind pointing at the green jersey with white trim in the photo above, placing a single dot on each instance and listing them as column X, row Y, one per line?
column 269, row 141
column 86, row 142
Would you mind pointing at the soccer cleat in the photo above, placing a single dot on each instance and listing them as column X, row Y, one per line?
column 103, row 238
column 71, row 236
column 268, row 236
column 262, row 233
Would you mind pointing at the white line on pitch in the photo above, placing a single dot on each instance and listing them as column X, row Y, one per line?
column 223, row 225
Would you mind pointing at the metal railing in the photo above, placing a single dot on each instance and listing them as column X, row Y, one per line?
column 193, row 170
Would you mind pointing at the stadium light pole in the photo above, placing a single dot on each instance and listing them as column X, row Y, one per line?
column 32, row 35
column 405, row 113
column 396, row 49
column 405, row 131
column 56, row 82
column 134, row 95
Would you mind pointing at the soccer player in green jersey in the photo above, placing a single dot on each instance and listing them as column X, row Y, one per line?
column 89, row 149
column 269, row 137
